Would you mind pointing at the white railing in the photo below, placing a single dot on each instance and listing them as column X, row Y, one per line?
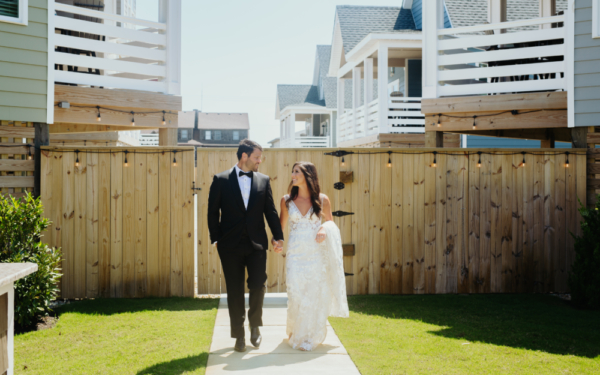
column 305, row 142
column 91, row 49
column 515, row 61
column 148, row 139
column 404, row 116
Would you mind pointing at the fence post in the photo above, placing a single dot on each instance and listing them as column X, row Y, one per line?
column 41, row 138
column 382, row 93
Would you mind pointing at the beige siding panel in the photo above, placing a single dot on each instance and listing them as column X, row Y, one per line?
column 22, row 114
column 15, row 70
column 23, row 85
column 20, row 56
column 30, row 43
column 14, row 99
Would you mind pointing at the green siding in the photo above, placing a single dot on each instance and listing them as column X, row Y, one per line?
column 23, row 66
column 587, row 67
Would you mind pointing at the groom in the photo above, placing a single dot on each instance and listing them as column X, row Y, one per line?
column 242, row 196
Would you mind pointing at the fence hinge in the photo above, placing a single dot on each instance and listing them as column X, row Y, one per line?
column 194, row 188
column 342, row 213
column 339, row 186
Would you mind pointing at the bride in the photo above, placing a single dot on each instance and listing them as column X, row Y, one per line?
column 314, row 261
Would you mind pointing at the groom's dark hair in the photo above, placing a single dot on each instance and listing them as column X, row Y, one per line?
column 247, row 146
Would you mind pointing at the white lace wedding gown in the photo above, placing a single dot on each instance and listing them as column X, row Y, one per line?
column 308, row 287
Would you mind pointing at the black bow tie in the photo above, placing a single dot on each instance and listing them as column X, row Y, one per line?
column 248, row 174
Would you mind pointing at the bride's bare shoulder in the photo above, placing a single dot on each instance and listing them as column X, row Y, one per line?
column 324, row 198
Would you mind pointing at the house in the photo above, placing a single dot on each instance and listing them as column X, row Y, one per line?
column 202, row 129
column 74, row 70
column 511, row 78
column 364, row 33
column 373, row 44
column 313, row 104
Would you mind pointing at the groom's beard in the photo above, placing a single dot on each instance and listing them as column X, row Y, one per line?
column 252, row 167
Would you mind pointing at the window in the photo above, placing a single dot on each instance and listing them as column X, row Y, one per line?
column 595, row 18
column 236, row 135
column 14, row 11
column 207, row 135
column 184, row 135
column 217, row 135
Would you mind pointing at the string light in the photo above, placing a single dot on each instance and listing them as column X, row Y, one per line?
column 523, row 152
column 389, row 159
column 434, row 159
column 474, row 124
column 164, row 122
column 567, row 163
column 479, row 162
column 343, row 162
column 77, row 159
column 98, row 118
column 174, row 160
column 132, row 119
column 29, row 154
column 439, row 124
column 125, row 162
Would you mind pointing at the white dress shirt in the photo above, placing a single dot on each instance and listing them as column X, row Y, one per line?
column 245, row 183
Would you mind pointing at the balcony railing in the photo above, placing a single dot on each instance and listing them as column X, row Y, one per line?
column 99, row 49
column 304, row 142
column 404, row 116
column 523, row 59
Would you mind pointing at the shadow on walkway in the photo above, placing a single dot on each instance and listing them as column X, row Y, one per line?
column 528, row 321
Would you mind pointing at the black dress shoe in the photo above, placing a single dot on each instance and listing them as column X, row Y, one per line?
column 240, row 344
column 255, row 337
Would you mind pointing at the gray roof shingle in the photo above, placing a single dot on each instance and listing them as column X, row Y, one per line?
column 298, row 95
column 356, row 22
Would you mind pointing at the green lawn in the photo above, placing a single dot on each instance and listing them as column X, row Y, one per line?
column 122, row 336
column 476, row 334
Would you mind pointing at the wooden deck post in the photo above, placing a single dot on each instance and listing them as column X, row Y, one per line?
column 579, row 137
column 42, row 138
column 167, row 137
column 434, row 139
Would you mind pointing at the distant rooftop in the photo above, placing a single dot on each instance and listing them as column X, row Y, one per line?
column 208, row 120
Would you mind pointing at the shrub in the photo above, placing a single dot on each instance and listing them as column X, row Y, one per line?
column 584, row 277
column 21, row 226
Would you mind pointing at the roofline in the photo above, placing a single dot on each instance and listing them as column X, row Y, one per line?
column 305, row 109
column 372, row 37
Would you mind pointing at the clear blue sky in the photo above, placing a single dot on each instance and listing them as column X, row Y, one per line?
column 235, row 52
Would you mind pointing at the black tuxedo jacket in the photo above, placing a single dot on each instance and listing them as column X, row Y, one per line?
column 225, row 196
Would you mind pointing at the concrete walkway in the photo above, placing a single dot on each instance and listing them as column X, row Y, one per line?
column 274, row 356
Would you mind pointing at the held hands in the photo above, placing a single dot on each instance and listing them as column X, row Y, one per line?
column 321, row 235
column 277, row 246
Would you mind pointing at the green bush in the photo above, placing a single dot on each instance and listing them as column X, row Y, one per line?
column 584, row 277
column 21, row 226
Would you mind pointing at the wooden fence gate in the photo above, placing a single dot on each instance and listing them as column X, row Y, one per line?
column 124, row 218
column 470, row 223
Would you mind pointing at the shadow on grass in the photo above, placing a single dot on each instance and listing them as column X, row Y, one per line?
column 534, row 322
column 106, row 306
column 177, row 366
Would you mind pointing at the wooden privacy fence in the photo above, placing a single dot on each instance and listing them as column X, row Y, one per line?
column 125, row 229
column 470, row 224
column 16, row 159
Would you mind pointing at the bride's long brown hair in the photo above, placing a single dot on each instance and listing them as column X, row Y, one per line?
column 309, row 171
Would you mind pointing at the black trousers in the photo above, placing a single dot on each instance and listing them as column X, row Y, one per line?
column 234, row 263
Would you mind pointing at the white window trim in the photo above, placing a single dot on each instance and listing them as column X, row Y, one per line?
column 23, row 18
column 208, row 135
column 595, row 18
column 238, row 135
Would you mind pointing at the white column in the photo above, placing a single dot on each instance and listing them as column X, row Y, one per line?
column 341, row 107
column 570, row 63
column 170, row 13
column 356, row 72
column 433, row 19
column 547, row 9
column 382, row 94
column 368, row 94
column 497, row 13
column 292, row 128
